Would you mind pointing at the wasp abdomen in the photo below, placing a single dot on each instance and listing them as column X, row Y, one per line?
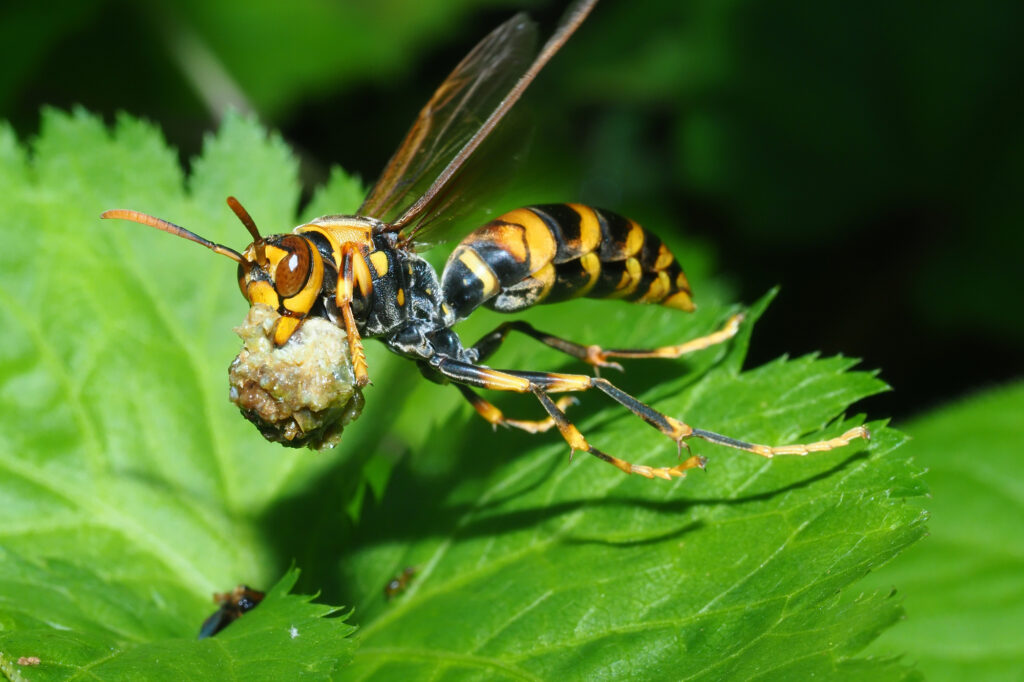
column 555, row 252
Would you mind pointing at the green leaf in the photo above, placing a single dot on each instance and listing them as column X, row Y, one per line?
column 538, row 570
column 131, row 489
column 97, row 629
column 963, row 585
column 121, row 458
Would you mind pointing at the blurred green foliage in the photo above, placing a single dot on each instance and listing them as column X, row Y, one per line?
column 962, row 585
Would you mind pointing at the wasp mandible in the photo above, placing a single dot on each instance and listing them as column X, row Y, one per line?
column 361, row 272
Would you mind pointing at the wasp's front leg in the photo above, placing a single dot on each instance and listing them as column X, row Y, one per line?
column 354, row 272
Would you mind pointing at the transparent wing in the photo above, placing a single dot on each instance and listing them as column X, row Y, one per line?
column 452, row 116
column 414, row 186
column 476, row 193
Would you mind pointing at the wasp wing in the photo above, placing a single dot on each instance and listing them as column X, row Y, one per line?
column 451, row 117
column 459, row 116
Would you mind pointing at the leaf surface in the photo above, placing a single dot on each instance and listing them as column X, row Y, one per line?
column 963, row 585
column 131, row 489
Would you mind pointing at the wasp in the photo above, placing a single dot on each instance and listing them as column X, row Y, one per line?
column 362, row 272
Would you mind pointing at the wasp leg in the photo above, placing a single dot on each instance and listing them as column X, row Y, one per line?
column 597, row 356
column 543, row 383
column 798, row 449
column 497, row 418
column 576, row 441
column 354, row 271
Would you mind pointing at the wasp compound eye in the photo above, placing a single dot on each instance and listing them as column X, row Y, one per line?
column 293, row 270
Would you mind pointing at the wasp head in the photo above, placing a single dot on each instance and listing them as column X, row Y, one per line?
column 283, row 271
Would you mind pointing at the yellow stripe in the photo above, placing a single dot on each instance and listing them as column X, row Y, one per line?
column 664, row 258
column 261, row 291
column 634, row 240
column 286, row 326
column 481, row 270
column 660, row 286
column 630, row 279
column 539, row 240
column 400, row 297
column 274, row 256
column 590, row 228
column 592, row 266
column 380, row 263
column 338, row 234
column 546, row 276
column 506, row 236
column 680, row 301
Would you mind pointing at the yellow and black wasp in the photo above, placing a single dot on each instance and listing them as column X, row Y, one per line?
column 361, row 271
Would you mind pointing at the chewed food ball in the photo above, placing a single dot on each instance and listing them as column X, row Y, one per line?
column 301, row 394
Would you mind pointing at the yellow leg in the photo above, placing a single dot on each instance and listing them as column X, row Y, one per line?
column 541, row 384
column 353, row 270
column 769, row 452
column 497, row 418
column 355, row 346
column 576, row 441
column 598, row 356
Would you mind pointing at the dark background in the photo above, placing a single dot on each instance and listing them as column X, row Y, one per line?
column 867, row 157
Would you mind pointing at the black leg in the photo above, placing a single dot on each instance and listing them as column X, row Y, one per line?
column 597, row 356
column 543, row 383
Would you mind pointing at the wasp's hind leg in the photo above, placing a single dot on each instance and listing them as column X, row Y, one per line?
column 540, row 384
column 543, row 383
column 576, row 441
column 597, row 356
column 497, row 418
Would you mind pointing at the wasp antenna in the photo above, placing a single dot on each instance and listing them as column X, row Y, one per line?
column 250, row 224
column 177, row 230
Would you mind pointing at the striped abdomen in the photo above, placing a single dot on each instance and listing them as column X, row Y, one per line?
column 554, row 252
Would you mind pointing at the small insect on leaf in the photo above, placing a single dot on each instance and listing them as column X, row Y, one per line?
column 233, row 605
column 399, row 583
